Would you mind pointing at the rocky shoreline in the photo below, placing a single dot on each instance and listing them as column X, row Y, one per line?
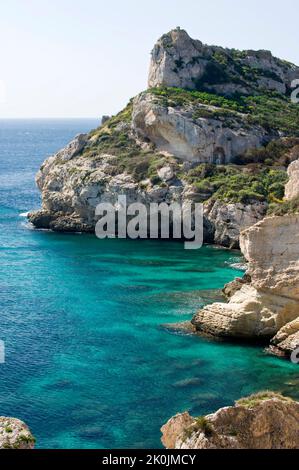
column 265, row 304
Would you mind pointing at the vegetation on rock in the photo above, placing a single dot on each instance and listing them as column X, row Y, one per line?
column 271, row 110
column 256, row 398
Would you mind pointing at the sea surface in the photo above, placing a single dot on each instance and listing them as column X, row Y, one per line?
column 89, row 362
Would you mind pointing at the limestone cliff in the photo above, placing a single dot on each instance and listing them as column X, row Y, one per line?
column 267, row 304
column 263, row 306
column 175, row 144
column 262, row 421
column 14, row 434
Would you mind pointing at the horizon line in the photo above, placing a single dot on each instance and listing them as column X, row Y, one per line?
column 50, row 117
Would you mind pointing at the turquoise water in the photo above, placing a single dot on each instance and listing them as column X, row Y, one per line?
column 89, row 363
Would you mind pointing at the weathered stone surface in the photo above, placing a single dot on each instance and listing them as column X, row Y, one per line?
column 166, row 173
column 229, row 220
column 263, row 421
column 72, row 188
column 14, row 434
column 271, row 300
column 234, row 286
column 174, row 428
column 83, row 174
column 292, row 186
column 179, row 61
column 287, row 338
column 271, row 248
column 173, row 130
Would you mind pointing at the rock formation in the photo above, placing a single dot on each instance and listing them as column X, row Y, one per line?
column 174, row 130
column 267, row 305
column 292, row 187
column 262, row 421
column 179, row 61
column 14, row 434
column 174, row 144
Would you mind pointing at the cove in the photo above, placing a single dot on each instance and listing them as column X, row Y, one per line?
column 89, row 363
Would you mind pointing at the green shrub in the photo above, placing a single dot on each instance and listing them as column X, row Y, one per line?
column 284, row 207
column 203, row 425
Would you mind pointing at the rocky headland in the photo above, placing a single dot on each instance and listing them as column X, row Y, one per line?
column 263, row 421
column 15, row 434
column 215, row 126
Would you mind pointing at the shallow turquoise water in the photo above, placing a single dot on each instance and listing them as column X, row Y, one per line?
column 88, row 361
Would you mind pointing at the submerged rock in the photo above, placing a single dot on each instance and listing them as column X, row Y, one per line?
column 14, row 434
column 263, row 421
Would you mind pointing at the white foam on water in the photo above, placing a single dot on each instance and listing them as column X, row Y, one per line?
column 239, row 266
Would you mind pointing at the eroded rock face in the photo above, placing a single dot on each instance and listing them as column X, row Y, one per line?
column 179, row 61
column 14, row 434
column 229, row 220
column 174, row 130
column 271, row 300
column 268, row 305
column 72, row 185
column 292, row 186
column 187, row 132
column 287, row 339
column 266, row 421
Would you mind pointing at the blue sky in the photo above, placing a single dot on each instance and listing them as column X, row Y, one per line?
column 85, row 58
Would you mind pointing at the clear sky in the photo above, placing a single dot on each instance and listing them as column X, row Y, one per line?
column 85, row 58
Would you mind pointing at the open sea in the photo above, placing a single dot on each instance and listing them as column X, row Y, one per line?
column 89, row 363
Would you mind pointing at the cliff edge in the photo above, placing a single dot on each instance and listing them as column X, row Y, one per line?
column 265, row 420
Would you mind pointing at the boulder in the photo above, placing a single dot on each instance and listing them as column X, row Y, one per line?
column 15, row 434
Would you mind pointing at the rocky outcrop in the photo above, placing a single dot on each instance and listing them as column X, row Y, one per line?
column 179, row 61
column 14, row 434
column 72, row 185
column 271, row 300
column 267, row 305
column 262, row 421
column 149, row 151
column 287, row 339
column 176, row 131
column 292, row 186
column 228, row 220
